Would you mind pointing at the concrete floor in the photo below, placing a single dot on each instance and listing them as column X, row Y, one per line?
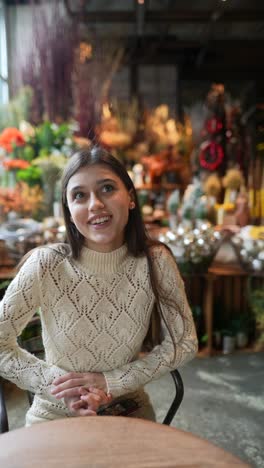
column 223, row 402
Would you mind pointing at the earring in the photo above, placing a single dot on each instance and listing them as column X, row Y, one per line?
column 132, row 205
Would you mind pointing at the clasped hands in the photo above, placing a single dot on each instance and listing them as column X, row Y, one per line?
column 83, row 392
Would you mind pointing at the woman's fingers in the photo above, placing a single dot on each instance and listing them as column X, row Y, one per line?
column 77, row 405
column 92, row 401
column 105, row 398
column 80, row 408
column 72, row 383
column 68, row 393
column 96, row 399
column 64, row 378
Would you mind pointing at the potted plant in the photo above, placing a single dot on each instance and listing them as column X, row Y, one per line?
column 228, row 340
column 241, row 325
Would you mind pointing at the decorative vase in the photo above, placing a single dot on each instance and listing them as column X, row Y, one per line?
column 228, row 344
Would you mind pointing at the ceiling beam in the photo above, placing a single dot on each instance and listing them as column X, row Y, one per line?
column 160, row 16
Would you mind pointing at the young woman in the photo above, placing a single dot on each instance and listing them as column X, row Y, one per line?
column 97, row 294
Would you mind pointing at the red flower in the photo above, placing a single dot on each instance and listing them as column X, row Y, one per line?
column 11, row 164
column 11, row 137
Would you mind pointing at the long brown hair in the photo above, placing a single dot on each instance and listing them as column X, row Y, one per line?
column 136, row 237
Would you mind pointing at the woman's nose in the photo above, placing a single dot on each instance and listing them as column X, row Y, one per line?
column 95, row 202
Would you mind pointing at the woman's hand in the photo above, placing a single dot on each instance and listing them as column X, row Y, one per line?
column 88, row 402
column 70, row 385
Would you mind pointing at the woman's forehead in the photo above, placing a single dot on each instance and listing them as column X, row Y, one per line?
column 90, row 174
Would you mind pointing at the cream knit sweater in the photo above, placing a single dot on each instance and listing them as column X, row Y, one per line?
column 95, row 313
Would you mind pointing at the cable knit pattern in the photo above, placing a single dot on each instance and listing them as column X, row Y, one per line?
column 95, row 314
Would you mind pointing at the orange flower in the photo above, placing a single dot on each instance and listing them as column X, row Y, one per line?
column 22, row 199
column 13, row 164
column 11, row 137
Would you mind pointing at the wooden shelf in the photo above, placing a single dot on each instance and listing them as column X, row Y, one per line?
column 158, row 187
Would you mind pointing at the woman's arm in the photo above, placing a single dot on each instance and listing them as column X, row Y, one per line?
column 163, row 358
column 18, row 306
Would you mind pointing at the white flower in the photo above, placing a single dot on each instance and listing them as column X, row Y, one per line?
column 26, row 129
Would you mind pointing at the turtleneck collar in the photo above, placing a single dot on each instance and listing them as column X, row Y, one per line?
column 103, row 263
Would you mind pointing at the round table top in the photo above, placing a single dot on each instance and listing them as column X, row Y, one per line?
column 109, row 441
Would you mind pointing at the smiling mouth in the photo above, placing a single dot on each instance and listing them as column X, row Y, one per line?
column 100, row 221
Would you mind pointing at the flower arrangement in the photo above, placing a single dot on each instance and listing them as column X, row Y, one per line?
column 22, row 199
column 212, row 186
column 32, row 158
column 118, row 125
column 162, row 130
column 232, row 182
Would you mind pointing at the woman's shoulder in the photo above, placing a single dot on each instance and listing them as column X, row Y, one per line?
column 60, row 249
column 47, row 253
column 160, row 251
column 163, row 257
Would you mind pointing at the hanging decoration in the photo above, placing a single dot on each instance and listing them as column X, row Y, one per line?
column 211, row 155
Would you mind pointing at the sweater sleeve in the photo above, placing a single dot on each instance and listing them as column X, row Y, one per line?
column 163, row 358
column 18, row 306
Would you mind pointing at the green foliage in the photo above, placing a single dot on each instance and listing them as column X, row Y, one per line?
column 50, row 137
column 45, row 138
column 256, row 299
column 28, row 152
column 32, row 176
column 4, row 284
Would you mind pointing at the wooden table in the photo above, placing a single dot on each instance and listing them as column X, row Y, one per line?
column 109, row 442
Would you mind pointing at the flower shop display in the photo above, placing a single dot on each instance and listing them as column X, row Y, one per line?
column 118, row 126
column 249, row 246
column 195, row 205
column 194, row 249
column 17, row 237
column 21, row 200
column 31, row 162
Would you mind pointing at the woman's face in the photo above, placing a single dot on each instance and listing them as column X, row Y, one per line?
column 99, row 205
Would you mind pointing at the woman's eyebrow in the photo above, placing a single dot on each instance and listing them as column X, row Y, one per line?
column 77, row 187
column 104, row 181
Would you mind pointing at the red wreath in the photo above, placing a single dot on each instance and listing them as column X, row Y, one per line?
column 214, row 125
column 211, row 156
